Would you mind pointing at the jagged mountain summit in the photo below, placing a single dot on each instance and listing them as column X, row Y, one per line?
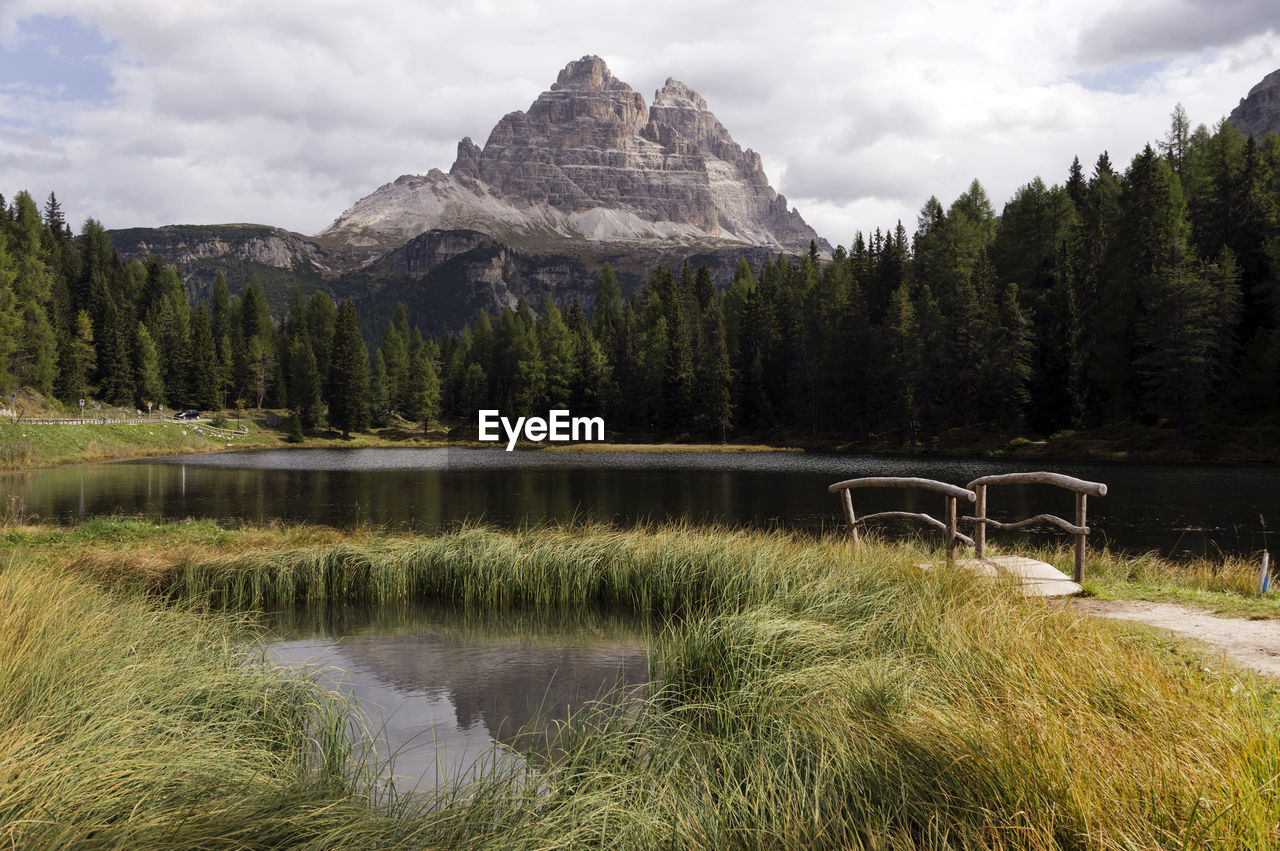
column 589, row 174
column 1259, row 112
column 590, row 163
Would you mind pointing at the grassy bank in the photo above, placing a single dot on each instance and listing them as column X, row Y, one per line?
column 811, row 695
column 1226, row 586
column 26, row 446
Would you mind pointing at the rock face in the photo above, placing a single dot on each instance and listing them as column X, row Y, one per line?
column 589, row 174
column 589, row 162
column 1259, row 113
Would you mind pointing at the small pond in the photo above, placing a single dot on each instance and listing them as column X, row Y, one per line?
column 448, row 692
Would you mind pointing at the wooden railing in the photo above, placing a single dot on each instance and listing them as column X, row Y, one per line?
column 1078, row 530
column 950, row 494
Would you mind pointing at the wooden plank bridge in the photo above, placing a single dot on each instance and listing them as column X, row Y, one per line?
column 1033, row 577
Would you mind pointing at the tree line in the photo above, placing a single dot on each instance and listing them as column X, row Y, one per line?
column 1148, row 294
column 77, row 321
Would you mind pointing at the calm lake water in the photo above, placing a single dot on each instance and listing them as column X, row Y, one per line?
column 446, row 692
column 1173, row 508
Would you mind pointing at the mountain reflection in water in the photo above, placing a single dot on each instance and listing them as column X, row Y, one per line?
column 440, row 685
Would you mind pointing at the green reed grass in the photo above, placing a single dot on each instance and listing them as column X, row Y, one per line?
column 811, row 695
column 667, row 570
column 126, row 724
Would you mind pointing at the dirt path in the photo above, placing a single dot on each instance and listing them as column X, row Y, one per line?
column 1253, row 644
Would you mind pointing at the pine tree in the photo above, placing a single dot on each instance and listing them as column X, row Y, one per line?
column 735, row 305
column 255, row 316
column 8, row 317
column 53, row 217
column 260, row 368
column 1173, row 330
column 1175, row 143
column 422, row 400
column 348, row 374
column 903, row 339
column 932, row 378
column 1077, row 186
column 148, row 384
column 713, row 377
column 395, row 354
column 206, row 385
column 1009, row 370
column 35, row 357
column 322, row 319
column 1177, row 335
column 220, row 307
column 379, row 392
column 1222, row 277
column 304, row 383
column 78, row 358
column 529, row 384
column 591, row 372
column 555, row 347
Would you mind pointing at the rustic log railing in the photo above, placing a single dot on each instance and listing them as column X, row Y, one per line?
column 1078, row 530
column 950, row 494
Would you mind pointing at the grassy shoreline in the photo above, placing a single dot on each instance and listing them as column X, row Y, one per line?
column 28, row 446
column 812, row 694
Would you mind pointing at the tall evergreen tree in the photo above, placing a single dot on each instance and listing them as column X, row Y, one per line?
column 555, row 346
column 206, row 386
column 322, row 320
column 379, row 392
column 305, row 386
column 904, row 346
column 148, row 384
column 34, row 359
column 395, row 354
column 1010, row 368
column 348, row 374
column 260, row 365
column 422, row 400
column 713, row 377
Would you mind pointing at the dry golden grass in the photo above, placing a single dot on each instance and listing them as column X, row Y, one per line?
column 812, row 695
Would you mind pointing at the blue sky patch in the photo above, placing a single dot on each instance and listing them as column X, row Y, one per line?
column 58, row 58
column 1121, row 78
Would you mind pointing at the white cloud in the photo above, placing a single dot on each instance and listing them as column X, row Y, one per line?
column 288, row 112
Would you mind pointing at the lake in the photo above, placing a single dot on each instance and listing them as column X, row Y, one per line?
column 1176, row 509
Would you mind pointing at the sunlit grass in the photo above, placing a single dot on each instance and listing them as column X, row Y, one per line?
column 811, row 694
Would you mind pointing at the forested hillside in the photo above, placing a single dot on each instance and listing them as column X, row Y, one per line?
column 1144, row 294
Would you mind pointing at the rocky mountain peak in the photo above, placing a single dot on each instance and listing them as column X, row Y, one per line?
column 590, row 161
column 1259, row 112
column 676, row 94
column 589, row 73
column 468, row 160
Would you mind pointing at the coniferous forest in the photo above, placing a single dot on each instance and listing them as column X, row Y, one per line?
column 1138, row 294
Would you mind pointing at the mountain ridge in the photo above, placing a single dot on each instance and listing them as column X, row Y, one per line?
column 589, row 160
column 1258, row 113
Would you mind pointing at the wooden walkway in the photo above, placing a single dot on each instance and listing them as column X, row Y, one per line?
column 1033, row 578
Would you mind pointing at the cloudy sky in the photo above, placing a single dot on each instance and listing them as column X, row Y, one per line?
column 149, row 112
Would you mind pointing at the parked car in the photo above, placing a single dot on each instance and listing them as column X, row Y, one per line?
column 188, row 414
